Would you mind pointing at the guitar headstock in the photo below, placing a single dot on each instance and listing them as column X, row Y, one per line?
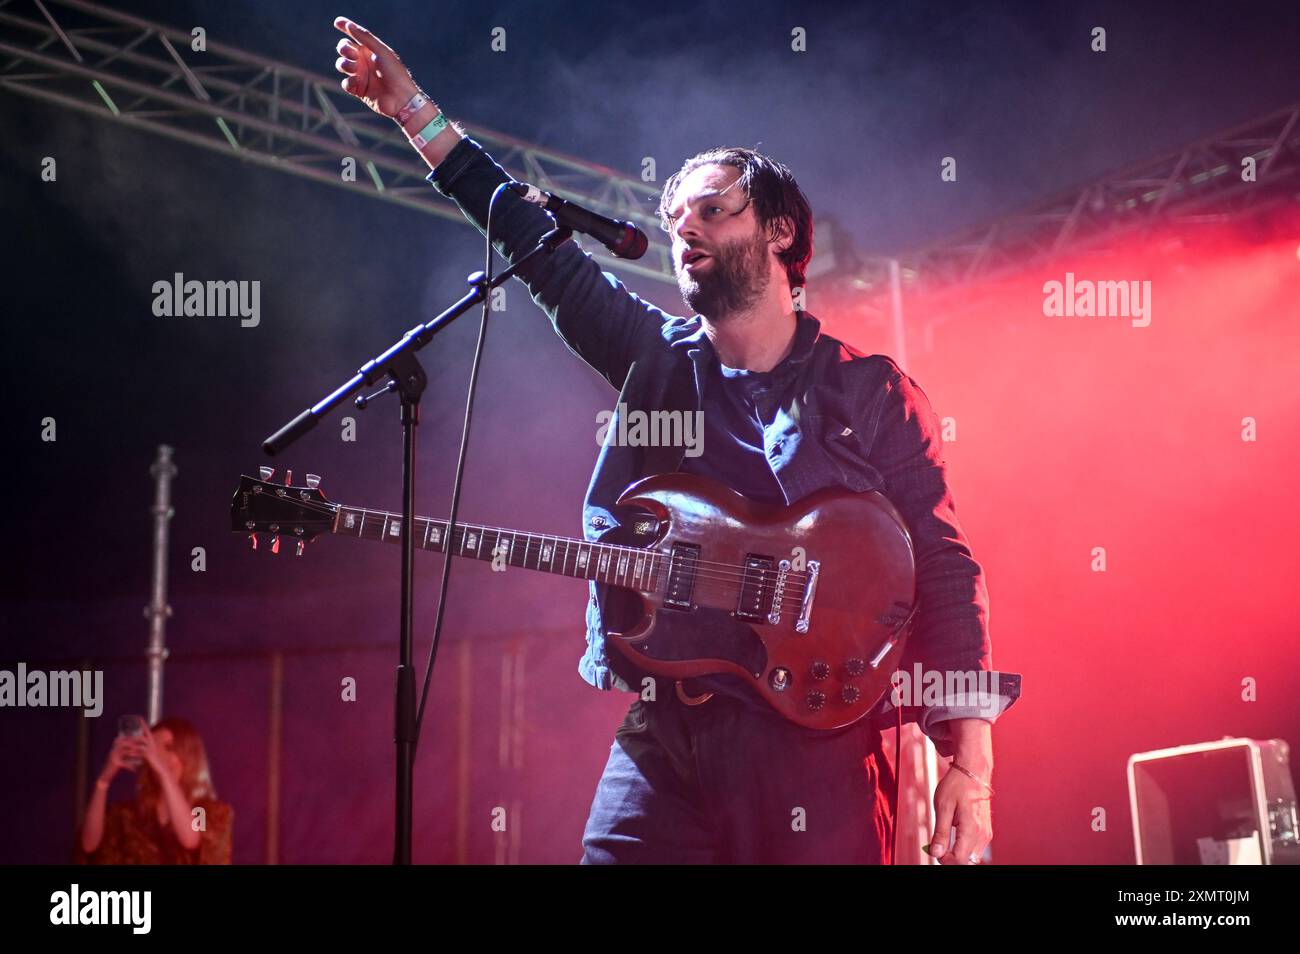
column 281, row 510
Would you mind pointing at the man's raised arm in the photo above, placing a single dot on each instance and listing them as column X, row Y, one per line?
column 596, row 316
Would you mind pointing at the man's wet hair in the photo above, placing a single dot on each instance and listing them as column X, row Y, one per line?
column 775, row 194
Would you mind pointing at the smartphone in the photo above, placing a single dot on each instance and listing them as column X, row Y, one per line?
column 131, row 726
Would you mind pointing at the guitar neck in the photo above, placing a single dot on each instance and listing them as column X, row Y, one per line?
column 629, row 567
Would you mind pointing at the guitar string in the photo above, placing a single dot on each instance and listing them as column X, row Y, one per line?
column 743, row 571
column 711, row 581
column 706, row 582
column 326, row 509
column 729, row 576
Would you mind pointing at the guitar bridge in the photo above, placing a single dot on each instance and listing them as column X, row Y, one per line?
column 778, row 591
column 809, row 592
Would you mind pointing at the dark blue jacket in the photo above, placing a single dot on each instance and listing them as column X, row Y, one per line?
column 840, row 419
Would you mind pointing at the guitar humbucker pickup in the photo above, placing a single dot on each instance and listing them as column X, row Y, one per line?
column 755, row 588
column 681, row 575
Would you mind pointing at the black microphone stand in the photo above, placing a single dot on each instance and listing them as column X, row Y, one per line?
column 400, row 365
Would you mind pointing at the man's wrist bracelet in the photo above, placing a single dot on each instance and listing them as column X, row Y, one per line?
column 972, row 775
column 413, row 106
column 436, row 125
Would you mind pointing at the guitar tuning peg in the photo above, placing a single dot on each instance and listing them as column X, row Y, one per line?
column 275, row 543
column 252, row 538
column 301, row 545
column 313, row 481
column 266, row 472
column 288, row 477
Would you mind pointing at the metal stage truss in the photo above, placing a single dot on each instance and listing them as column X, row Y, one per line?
column 95, row 59
column 1199, row 184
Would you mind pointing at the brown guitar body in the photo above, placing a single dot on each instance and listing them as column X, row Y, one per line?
column 810, row 604
column 861, row 607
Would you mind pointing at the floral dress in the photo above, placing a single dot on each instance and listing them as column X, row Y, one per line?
column 132, row 837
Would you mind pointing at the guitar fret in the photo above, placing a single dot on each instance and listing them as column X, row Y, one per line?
column 574, row 557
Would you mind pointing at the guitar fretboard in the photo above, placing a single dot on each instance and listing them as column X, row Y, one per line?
column 629, row 567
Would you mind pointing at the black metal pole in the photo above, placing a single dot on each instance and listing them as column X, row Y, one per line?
column 407, row 377
column 404, row 717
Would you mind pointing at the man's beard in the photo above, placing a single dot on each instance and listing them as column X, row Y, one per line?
column 737, row 278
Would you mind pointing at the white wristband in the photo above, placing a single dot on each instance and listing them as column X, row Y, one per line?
column 413, row 105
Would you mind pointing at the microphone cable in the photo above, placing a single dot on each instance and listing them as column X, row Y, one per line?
column 460, row 461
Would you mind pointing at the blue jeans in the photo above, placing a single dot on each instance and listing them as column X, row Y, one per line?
column 725, row 783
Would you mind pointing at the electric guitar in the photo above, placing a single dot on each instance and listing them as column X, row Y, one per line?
column 810, row 604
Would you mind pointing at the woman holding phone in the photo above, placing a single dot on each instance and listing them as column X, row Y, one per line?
column 175, row 817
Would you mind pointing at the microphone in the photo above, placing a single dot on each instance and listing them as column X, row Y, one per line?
column 623, row 239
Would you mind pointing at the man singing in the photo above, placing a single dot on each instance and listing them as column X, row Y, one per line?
column 708, row 772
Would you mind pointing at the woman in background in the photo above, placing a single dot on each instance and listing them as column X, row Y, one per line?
column 174, row 819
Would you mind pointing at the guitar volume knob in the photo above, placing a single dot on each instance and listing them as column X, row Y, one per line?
column 850, row 694
column 855, row 667
column 820, row 670
column 815, row 700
